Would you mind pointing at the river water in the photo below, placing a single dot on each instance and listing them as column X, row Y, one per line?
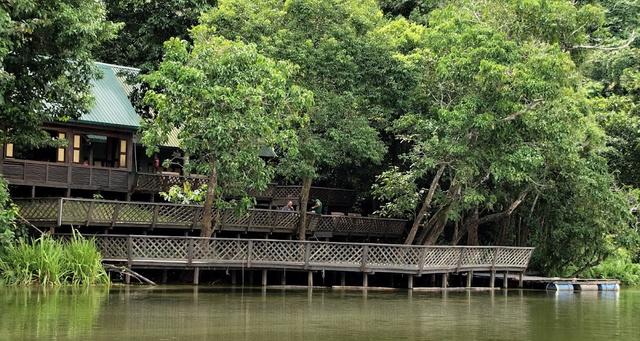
column 191, row 313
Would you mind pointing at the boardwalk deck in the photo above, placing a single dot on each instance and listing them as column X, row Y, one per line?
column 192, row 252
column 46, row 212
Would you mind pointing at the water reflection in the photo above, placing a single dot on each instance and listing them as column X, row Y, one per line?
column 203, row 313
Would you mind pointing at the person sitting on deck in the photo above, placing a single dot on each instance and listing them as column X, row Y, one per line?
column 317, row 207
column 289, row 206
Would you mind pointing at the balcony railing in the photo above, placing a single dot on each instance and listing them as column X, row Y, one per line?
column 64, row 175
column 277, row 194
column 88, row 212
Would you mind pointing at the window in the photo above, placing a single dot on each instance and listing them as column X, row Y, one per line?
column 61, row 151
column 8, row 150
column 123, row 154
column 76, row 148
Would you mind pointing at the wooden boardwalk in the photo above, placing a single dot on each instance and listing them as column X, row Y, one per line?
column 50, row 212
column 166, row 252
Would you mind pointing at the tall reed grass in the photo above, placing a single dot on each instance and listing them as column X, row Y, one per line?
column 49, row 262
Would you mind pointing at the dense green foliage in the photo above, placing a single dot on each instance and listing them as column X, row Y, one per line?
column 45, row 63
column 47, row 261
column 8, row 213
column 147, row 25
column 227, row 101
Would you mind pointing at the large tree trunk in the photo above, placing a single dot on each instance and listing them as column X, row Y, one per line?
column 472, row 229
column 426, row 204
column 438, row 227
column 304, row 202
column 208, row 222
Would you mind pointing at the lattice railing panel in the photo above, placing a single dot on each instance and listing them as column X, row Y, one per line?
column 112, row 247
column 74, row 212
column 391, row 256
column 160, row 248
column 513, row 256
column 134, row 213
column 441, row 258
column 277, row 251
column 175, row 214
column 336, row 254
column 39, row 209
column 220, row 250
column 102, row 212
column 477, row 257
column 359, row 225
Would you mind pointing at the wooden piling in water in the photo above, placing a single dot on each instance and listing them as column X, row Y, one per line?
column 410, row 282
column 283, row 278
column 365, row 279
column 505, row 280
column 264, row 278
column 445, row 280
column 521, row 280
column 469, row 279
column 310, row 279
column 196, row 276
column 492, row 279
column 343, row 279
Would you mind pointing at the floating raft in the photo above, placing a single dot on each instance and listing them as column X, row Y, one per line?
column 583, row 285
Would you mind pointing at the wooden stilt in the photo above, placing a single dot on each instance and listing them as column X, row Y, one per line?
column 234, row 279
column 310, row 279
column 410, row 282
column 264, row 278
column 283, row 279
column 492, row 279
column 127, row 279
column 164, row 276
column 469, row 279
column 365, row 279
column 196, row 276
column 445, row 280
column 433, row 280
column 505, row 280
column 521, row 280
column 343, row 280
column 33, row 191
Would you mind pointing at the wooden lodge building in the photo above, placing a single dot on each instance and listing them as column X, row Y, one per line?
column 60, row 187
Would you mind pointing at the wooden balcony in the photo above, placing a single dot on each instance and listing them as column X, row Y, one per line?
column 277, row 194
column 49, row 212
column 64, row 175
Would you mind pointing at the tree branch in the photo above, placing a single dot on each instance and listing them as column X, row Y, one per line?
column 497, row 216
column 528, row 108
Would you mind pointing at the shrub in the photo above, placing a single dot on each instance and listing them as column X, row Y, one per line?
column 619, row 266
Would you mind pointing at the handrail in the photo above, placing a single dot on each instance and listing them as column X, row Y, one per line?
column 99, row 212
column 309, row 255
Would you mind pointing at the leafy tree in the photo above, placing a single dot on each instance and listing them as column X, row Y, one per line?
column 45, row 51
column 147, row 25
column 356, row 81
column 228, row 101
column 500, row 135
column 8, row 214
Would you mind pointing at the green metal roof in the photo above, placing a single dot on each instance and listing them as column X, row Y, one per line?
column 112, row 106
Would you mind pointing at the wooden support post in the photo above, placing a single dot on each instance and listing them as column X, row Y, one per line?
column 264, row 278
column 310, row 279
column 521, row 280
column 445, row 280
column 283, row 279
column 164, row 276
column 505, row 280
column 234, row 279
column 469, row 278
column 343, row 279
column 365, row 279
column 410, row 282
column 433, row 280
column 33, row 191
column 196, row 276
column 127, row 279
column 492, row 279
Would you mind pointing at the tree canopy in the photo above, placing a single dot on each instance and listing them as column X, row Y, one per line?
column 45, row 51
column 227, row 101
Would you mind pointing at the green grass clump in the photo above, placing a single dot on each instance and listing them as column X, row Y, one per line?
column 51, row 262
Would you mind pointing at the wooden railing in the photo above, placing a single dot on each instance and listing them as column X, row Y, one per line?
column 52, row 174
column 278, row 194
column 90, row 212
column 307, row 255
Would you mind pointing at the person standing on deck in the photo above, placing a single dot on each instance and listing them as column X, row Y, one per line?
column 289, row 206
column 317, row 207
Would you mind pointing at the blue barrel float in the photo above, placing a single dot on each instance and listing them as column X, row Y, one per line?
column 560, row 286
column 608, row 286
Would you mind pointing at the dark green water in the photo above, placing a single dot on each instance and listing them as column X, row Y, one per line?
column 186, row 313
